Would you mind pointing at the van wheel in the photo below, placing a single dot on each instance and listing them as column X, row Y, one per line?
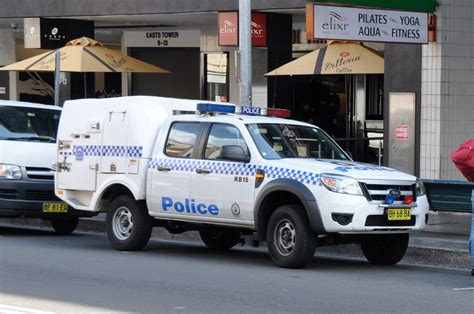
column 290, row 241
column 63, row 226
column 128, row 224
column 220, row 239
column 385, row 249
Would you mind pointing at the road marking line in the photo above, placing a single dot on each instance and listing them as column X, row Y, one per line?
column 460, row 289
column 8, row 309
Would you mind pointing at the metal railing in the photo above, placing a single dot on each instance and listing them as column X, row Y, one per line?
column 449, row 195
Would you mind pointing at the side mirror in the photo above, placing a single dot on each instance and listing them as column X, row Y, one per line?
column 234, row 153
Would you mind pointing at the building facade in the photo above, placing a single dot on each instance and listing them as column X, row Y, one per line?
column 440, row 74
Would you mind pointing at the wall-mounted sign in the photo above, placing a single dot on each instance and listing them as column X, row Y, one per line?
column 357, row 24
column 259, row 29
column 229, row 29
column 408, row 5
column 401, row 132
column 54, row 33
column 162, row 38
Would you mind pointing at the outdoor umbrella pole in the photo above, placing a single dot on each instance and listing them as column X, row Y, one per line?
column 85, row 84
column 56, row 77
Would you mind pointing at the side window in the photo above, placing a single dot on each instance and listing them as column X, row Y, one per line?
column 220, row 135
column 182, row 139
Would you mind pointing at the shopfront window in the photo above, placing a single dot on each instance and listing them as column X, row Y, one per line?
column 216, row 76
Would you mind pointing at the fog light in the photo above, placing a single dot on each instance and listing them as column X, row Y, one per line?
column 342, row 219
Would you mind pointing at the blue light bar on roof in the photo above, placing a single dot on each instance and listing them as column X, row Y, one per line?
column 209, row 107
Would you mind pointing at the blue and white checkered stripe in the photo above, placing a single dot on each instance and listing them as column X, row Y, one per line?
column 89, row 150
column 135, row 151
column 298, row 175
column 106, row 150
column 236, row 169
column 219, row 167
column 114, row 151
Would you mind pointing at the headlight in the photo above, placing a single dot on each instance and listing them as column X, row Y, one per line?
column 341, row 184
column 420, row 188
column 10, row 172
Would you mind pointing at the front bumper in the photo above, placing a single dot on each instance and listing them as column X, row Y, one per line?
column 25, row 198
column 369, row 217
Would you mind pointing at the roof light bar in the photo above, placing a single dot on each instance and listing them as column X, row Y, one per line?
column 258, row 111
column 252, row 111
column 215, row 108
column 281, row 113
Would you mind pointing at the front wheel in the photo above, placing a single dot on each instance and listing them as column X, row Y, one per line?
column 385, row 249
column 291, row 242
column 64, row 226
column 220, row 239
column 128, row 224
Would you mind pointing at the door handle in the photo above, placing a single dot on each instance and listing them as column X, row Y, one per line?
column 203, row 171
column 164, row 168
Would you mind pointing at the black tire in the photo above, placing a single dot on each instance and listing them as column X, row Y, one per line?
column 220, row 239
column 64, row 226
column 128, row 224
column 290, row 240
column 385, row 249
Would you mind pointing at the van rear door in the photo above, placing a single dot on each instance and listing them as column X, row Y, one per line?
column 78, row 158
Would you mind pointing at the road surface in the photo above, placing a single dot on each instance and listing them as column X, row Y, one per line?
column 40, row 271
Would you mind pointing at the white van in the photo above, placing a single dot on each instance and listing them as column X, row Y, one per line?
column 27, row 165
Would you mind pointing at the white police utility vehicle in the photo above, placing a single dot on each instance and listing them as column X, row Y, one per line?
column 145, row 163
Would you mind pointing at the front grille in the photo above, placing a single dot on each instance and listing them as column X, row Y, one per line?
column 38, row 173
column 378, row 192
column 33, row 195
column 8, row 194
column 382, row 221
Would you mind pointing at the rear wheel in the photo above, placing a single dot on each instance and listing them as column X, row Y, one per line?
column 128, row 224
column 63, row 226
column 291, row 242
column 385, row 249
column 220, row 239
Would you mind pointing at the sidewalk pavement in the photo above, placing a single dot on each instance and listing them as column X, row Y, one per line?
column 444, row 243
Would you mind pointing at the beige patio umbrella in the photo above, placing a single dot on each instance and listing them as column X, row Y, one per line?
column 84, row 55
column 335, row 58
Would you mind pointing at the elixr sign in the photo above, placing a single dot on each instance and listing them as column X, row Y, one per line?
column 344, row 23
column 229, row 29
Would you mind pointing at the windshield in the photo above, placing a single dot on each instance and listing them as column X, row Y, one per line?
column 276, row 141
column 28, row 124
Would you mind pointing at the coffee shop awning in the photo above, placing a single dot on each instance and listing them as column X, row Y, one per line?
column 335, row 58
column 84, row 55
